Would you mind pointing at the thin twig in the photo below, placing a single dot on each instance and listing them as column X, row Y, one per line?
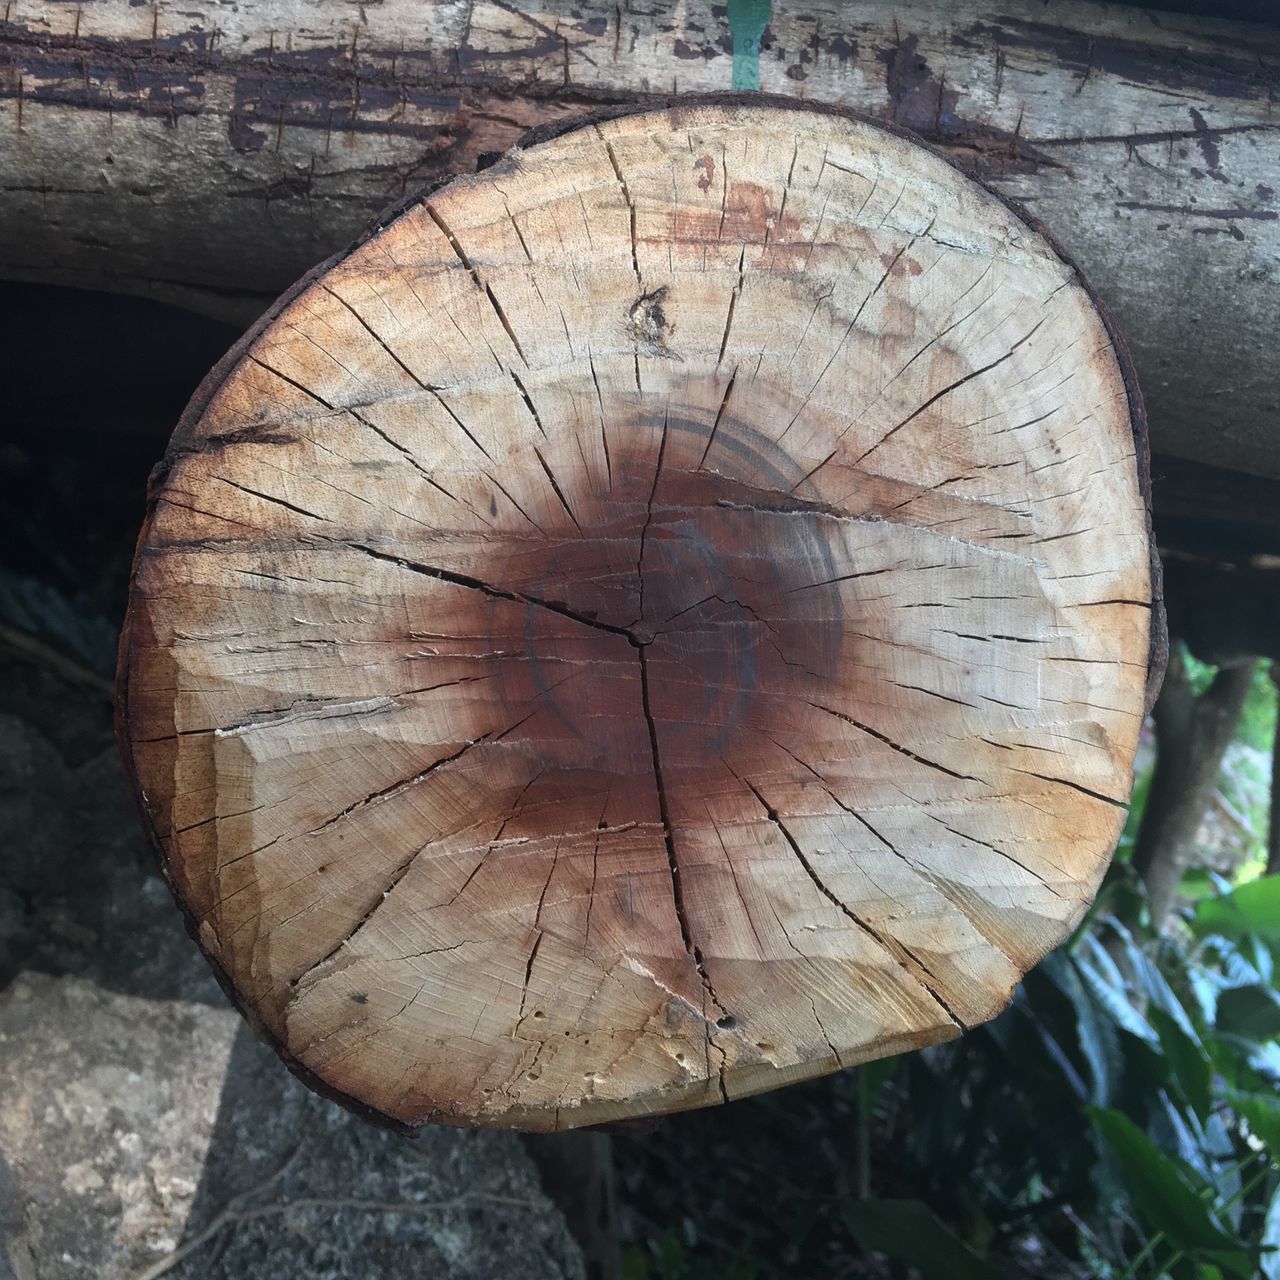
column 36, row 650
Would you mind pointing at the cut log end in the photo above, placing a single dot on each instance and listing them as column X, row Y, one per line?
column 663, row 618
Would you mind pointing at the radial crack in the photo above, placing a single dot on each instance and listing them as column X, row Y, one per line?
column 1075, row 786
column 889, row 742
column 378, row 431
column 673, row 864
column 498, row 593
column 279, row 502
column 403, row 785
column 483, row 286
column 891, row 947
column 555, row 486
column 648, row 519
column 715, row 426
column 946, row 391
column 631, row 204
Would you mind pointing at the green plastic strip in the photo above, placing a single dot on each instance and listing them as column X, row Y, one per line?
column 747, row 21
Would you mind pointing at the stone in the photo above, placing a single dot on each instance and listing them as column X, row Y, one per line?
column 141, row 1137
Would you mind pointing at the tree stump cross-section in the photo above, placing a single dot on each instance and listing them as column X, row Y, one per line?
column 662, row 618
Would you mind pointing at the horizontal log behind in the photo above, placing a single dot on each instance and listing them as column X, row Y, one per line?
column 209, row 156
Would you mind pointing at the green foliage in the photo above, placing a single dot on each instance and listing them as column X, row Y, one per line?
column 1245, row 781
column 1271, row 1240
column 1169, row 1196
column 1122, row 1119
column 1163, row 1053
column 669, row 1259
column 1253, row 908
column 1258, row 721
column 910, row 1231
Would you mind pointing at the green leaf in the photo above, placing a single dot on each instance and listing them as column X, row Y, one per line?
column 1250, row 1011
column 908, row 1231
column 1261, row 1112
column 1094, row 1030
column 1234, row 968
column 1159, row 1190
column 1187, row 1062
column 1270, row 1265
column 635, row 1266
column 1108, row 987
column 1252, row 908
column 672, row 1263
column 1258, row 720
column 1152, row 982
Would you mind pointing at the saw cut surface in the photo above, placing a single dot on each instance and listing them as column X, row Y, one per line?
column 663, row 618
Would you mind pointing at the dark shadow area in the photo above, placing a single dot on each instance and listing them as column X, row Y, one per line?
column 90, row 389
column 1264, row 11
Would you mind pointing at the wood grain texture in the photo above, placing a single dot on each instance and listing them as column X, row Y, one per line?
column 210, row 153
column 665, row 617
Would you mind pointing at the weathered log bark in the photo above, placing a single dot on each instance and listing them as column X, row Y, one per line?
column 211, row 153
column 663, row 618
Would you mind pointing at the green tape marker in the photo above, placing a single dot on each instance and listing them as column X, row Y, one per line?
column 747, row 21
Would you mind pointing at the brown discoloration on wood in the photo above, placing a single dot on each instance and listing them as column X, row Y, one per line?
column 745, row 213
column 583, row 665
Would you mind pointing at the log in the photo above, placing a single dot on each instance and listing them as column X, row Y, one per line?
column 663, row 618
column 210, row 154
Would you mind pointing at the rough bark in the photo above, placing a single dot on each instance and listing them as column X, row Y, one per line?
column 649, row 625
column 212, row 153
column 1192, row 735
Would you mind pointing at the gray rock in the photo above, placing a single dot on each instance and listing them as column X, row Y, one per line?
column 142, row 1137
